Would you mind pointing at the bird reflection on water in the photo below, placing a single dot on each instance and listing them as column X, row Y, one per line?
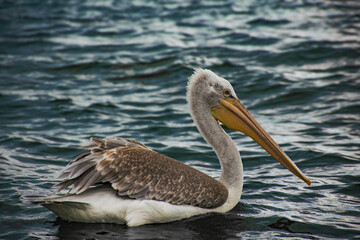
column 209, row 226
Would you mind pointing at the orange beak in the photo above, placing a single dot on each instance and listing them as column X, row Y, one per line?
column 235, row 116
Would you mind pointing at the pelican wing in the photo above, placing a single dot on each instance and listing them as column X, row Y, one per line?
column 137, row 172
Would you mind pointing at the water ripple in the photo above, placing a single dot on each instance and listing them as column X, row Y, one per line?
column 74, row 70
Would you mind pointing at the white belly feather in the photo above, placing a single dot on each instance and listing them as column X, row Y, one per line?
column 101, row 204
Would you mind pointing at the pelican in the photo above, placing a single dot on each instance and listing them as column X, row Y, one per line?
column 120, row 180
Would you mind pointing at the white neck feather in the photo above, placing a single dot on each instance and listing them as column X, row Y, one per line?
column 224, row 147
column 205, row 89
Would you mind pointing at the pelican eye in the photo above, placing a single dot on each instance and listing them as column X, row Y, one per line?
column 227, row 93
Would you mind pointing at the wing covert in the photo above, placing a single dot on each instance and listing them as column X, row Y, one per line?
column 135, row 171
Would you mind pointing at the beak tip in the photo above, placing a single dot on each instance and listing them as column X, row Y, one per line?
column 307, row 180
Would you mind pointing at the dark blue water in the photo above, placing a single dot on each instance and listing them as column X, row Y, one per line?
column 70, row 70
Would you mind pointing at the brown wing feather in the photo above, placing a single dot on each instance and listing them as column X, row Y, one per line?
column 138, row 172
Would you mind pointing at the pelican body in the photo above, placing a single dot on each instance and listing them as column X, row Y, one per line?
column 120, row 180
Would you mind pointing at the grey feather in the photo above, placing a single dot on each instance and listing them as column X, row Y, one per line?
column 135, row 171
column 94, row 178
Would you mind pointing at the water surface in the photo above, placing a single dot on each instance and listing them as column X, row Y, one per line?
column 70, row 70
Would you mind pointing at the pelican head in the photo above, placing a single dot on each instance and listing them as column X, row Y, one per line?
column 209, row 94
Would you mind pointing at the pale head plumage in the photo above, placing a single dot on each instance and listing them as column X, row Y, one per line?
column 206, row 88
